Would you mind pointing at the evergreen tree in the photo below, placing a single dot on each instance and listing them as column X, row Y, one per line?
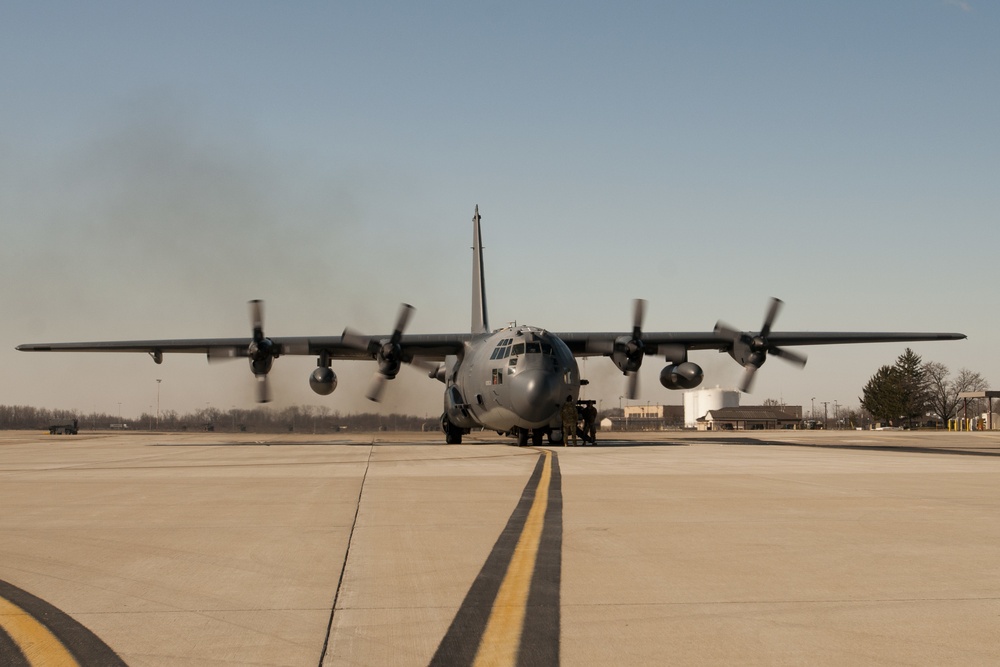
column 883, row 395
column 914, row 395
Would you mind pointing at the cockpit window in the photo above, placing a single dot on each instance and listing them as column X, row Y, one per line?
column 502, row 350
column 530, row 347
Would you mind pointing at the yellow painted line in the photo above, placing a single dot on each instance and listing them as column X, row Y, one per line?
column 36, row 642
column 502, row 637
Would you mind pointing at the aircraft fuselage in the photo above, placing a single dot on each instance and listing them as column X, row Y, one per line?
column 516, row 378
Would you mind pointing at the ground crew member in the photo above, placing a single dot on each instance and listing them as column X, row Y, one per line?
column 590, row 423
column 568, row 413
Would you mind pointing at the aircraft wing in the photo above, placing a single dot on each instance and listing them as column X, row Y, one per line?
column 432, row 347
column 748, row 348
column 839, row 338
column 585, row 344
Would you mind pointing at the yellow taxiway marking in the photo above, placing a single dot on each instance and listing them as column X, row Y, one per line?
column 502, row 637
column 36, row 642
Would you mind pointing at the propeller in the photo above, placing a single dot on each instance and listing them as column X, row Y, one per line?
column 388, row 353
column 262, row 351
column 750, row 350
column 628, row 352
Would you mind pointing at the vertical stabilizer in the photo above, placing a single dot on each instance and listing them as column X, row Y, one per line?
column 480, row 321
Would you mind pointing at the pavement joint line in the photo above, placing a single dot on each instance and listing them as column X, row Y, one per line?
column 347, row 555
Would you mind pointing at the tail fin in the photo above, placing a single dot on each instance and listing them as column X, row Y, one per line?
column 480, row 321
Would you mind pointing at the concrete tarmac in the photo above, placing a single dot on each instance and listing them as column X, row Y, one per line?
column 759, row 548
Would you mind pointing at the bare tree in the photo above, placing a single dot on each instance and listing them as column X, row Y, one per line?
column 944, row 391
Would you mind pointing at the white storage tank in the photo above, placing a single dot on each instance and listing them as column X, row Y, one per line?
column 698, row 402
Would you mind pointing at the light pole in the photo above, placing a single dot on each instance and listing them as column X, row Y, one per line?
column 812, row 412
column 158, row 381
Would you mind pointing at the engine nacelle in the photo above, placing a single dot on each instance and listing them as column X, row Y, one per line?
column 323, row 381
column 687, row 375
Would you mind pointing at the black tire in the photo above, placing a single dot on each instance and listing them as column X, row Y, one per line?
column 522, row 438
column 537, row 437
column 452, row 435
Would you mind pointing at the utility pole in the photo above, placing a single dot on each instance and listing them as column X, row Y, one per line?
column 158, row 381
column 825, row 424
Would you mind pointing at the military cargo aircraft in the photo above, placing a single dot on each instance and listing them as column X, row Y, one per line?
column 512, row 380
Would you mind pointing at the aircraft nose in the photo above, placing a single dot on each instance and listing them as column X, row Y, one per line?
column 535, row 395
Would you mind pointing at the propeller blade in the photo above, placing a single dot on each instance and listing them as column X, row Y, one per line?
column 263, row 389
column 638, row 315
column 772, row 312
column 376, row 387
column 632, row 385
column 746, row 382
column 355, row 339
column 793, row 357
column 257, row 318
column 402, row 319
column 727, row 330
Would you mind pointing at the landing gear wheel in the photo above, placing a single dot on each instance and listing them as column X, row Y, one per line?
column 537, row 437
column 522, row 438
column 452, row 435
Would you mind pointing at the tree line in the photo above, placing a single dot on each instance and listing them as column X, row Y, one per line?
column 295, row 418
column 911, row 390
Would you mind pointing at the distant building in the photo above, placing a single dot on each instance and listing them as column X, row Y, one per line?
column 652, row 417
column 729, row 417
column 750, row 418
column 718, row 408
column 698, row 402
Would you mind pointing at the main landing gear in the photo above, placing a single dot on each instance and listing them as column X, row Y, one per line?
column 537, row 436
column 452, row 433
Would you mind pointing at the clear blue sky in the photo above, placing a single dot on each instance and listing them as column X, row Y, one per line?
column 163, row 163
